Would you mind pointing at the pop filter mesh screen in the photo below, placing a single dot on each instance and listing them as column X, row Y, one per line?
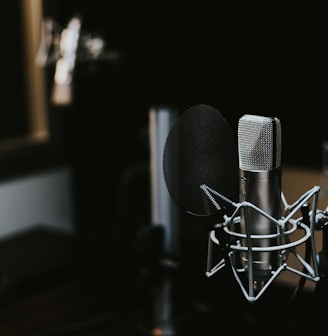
column 200, row 149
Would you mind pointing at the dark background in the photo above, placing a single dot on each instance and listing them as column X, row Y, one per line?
column 238, row 62
column 270, row 64
column 266, row 61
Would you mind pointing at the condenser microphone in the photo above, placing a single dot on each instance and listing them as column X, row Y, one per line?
column 259, row 149
column 256, row 234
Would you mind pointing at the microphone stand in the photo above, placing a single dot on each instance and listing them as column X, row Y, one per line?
column 164, row 215
column 159, row 274
column 322, row 225
column 321, row 289
column 164, row 320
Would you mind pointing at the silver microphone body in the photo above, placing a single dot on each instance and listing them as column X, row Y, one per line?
column 259, row 146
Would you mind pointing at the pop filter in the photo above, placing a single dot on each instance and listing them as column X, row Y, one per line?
column 200, row 150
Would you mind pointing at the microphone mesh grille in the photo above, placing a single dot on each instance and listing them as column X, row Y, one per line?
column 259, row 142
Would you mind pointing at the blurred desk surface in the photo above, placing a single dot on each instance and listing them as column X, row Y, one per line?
column 57, row 284
column 296, row 181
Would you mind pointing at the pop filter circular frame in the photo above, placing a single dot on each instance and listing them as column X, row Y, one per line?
column 200, row 150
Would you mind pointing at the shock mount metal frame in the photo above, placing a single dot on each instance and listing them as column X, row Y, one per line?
column 225, row 235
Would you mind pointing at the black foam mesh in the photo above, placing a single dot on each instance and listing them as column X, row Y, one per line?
column 200, row 149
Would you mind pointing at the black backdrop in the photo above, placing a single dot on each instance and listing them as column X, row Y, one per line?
column 269, row 62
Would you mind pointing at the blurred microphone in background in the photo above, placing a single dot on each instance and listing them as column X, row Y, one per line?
column 68, row 45
column 65, row 47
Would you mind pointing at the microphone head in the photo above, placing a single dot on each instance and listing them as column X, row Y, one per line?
column 259, row 143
